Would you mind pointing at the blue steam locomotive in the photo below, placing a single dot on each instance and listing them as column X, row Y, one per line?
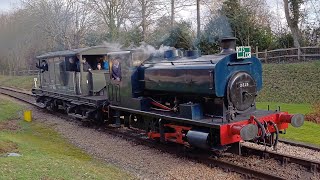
column 179, row 96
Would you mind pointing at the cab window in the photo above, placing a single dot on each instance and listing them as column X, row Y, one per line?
column 97, row 63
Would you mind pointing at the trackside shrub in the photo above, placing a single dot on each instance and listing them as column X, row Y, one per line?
column 314, row 116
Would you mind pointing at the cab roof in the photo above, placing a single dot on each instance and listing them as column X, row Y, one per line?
column 95, row 50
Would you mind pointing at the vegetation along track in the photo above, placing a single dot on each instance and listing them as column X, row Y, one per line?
column 202, row 157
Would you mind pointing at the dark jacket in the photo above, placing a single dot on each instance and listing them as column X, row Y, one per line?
column 44, row 66
column 86, row 66
column 116, row 72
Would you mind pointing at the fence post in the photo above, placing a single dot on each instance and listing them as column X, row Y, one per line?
column 257, row 52
column 266, row 55
column 299, row 53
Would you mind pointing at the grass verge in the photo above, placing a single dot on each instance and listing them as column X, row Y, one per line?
column 21, row 82
column 291, row 83
column 8, row 110
column 308, row 133
column 291, row 108
column 45, row 154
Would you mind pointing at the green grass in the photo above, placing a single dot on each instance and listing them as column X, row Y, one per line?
column 22, row 82
column 8, row 110
column 291, row 108
column 308, row 133
column 291, row 83
column 45, row 154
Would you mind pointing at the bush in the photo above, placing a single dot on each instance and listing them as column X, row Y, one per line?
column 314, row 116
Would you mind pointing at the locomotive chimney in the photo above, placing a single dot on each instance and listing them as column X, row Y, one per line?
column 228, row 45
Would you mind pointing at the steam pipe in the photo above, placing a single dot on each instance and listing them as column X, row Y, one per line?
column 263, row 130
column 277, row 135
column 130, row 121
column 161, row 130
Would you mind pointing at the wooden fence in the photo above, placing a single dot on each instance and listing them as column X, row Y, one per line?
column 289, row 55
column 20, row 73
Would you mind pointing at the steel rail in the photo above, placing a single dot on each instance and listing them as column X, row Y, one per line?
column 313, row 166
column 13, row 94
column 16, row 91
column 300, row 144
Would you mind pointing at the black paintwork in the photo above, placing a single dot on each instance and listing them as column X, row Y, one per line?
column 205, row 122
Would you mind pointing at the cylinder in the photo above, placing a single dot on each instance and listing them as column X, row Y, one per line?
column 198, row 139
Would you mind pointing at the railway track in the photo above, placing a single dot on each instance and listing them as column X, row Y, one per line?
column 24, row 96
column 304, row 145
column 313, row 166
column 202, row 157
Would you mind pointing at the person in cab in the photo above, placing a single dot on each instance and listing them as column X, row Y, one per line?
column 99, row 66
column 43, row 66
column 116, row 70
column 86, row 65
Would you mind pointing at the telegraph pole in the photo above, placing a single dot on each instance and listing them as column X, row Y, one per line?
column 198, row 19
column 172, row 13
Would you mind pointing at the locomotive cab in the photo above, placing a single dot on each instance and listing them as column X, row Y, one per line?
column 74, row 72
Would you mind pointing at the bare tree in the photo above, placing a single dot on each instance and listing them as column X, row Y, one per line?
column 84, row 21
column 144, row 17
column 146, row 11
column 13, row 41
column 42, row 26
column 172, row 13
column 198, row 19
column 63, row 23
column 292, row 12
column 114, row 13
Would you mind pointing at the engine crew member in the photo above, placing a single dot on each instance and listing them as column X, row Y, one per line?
column 116, row 70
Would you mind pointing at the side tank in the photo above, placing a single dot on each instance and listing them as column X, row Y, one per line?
column 205, row 75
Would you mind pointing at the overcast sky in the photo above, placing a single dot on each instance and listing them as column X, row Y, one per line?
column 189, row 13
column 276, row 7
column 6, row 5
column 9, row 4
